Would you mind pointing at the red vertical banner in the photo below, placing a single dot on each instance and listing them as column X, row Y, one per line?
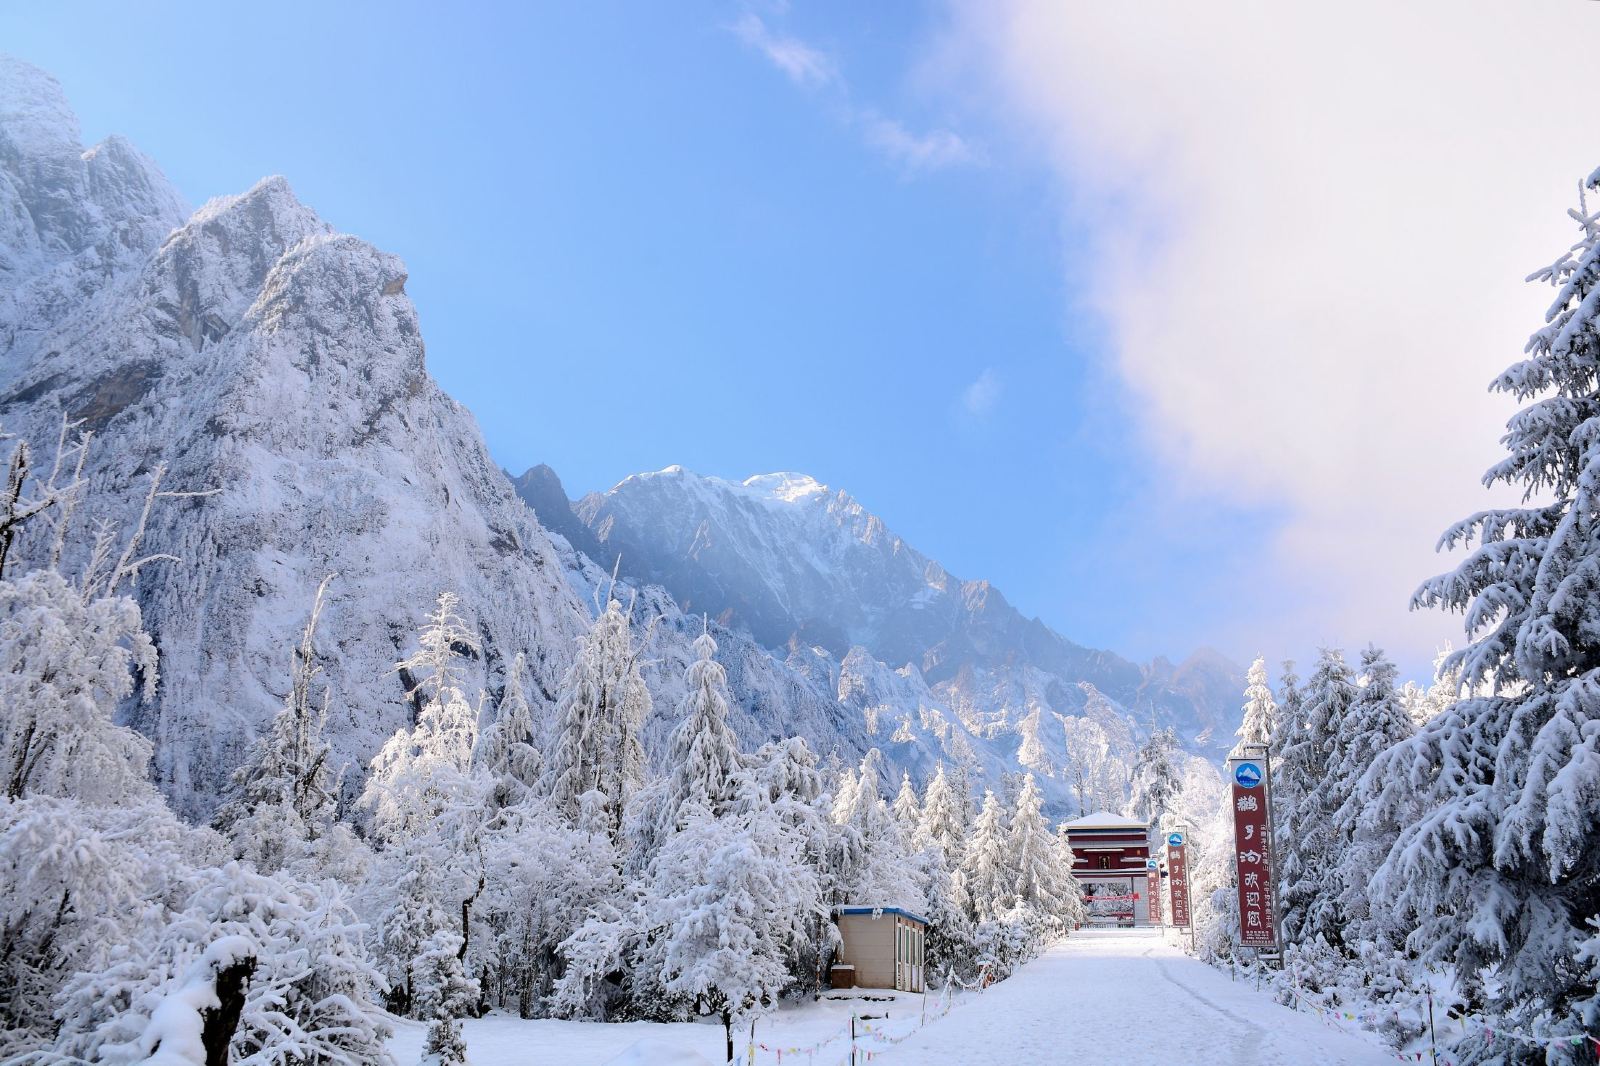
column 1153, row 893
column 1252, row 839
column 1178, row 878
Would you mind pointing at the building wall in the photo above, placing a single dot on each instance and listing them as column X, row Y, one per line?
column 869, row 947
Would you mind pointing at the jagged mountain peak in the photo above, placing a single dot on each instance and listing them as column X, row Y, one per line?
column 786, row 486
column 800, row 565
column 36, row 121
column 72, row 222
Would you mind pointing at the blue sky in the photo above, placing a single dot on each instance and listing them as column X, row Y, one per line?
column 741, row 239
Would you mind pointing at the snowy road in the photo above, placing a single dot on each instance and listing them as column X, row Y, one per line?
column 1100, row 996
column 1127, row 996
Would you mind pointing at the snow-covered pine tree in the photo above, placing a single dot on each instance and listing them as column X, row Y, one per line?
column 987, row 866
column 907, row 811
column 283, row 796
column 603, row 707
column 782, row 785
column 944, row 819
column 506, row 749
column 1422, row 705
column 1156, row 779
column 705, row 759
column 428, row 804
column 1259, row 721
column 1308, row 833
column 870, row 856
column 1503, row 864
column 1043, row 878
column 1377, row 720
column 730, row 896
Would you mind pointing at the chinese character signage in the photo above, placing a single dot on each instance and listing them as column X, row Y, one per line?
column 1153, row 894
column 1178, row 879
column 1252, row 845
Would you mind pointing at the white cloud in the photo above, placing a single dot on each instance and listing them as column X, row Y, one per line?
column 979, row 398
column 1310, row 223
column 803, row 64
column 919, row 151
column 811, row 68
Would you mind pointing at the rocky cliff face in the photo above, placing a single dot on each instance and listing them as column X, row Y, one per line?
column 251, row 350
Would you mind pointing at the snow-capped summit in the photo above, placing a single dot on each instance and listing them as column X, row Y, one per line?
column 798, row 564
column 786, row 486
column 35, row 119
column 71, row 220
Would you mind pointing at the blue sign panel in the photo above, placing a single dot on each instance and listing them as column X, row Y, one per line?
column 1248, row 774
column 1175, row 840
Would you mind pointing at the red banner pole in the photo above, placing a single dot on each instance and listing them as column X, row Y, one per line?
column 1252, row 840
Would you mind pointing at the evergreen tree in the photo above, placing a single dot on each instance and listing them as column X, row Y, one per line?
column 989, row 874
column 907, row 811
column 944, row 819
column 282, row 798
column 1156, row 780
column 441, row 643
column 428, row 805
column 506, row 749
column 1043, row 874
column 705, row 759
column 870, row 854
column 1259, row 722
column 1377, row 721
column 1501, row 867
column 1309, row 849
column 603, row 707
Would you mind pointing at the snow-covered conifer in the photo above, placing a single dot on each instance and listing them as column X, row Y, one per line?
column 506, row 749
column 1156, row 779
column 1308, row 832
column 603, row 707
column 1259, row 720
column 944, row 819
column 871, row 856
column 1376, row 722
column 987, row 868
column 907, row 811
column 705, row 760
column 1501, row 866
column 282, row 797
column 1043, row 874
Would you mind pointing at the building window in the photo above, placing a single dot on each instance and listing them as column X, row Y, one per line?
column 1105, row 863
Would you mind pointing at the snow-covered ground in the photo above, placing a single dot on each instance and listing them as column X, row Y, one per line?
column 1126, row 990
column 505, row 1040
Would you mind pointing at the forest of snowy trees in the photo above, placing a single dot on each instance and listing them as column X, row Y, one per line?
column 490, row 862
column 1436, row 845
column 524, row 850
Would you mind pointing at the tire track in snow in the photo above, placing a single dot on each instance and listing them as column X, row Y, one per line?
column 1248, row 1036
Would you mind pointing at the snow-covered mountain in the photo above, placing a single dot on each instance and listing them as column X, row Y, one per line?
column 795, row 563
column 254, row 351
column 250, row 351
